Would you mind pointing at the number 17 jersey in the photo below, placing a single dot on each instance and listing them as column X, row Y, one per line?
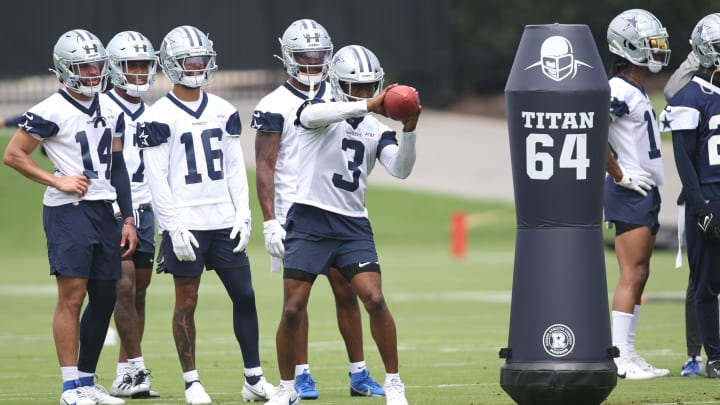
column 633, row 133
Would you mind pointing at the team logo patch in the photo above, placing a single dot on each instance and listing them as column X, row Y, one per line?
column 557, row 60
column 558, row 340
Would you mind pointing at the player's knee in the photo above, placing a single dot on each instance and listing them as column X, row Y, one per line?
column 375, row 302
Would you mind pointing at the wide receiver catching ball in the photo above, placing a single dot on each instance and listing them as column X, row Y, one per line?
column 401, row 102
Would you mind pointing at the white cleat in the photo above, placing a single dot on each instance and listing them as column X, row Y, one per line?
column 395, row 393
column 284, row 396
column 629, row 370
column 261, row 391
column 75, row 396
column 196, row 395
column 658, row 372
column 101, row 397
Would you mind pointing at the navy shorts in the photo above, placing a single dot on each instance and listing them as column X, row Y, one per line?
column 629, row 206
column 215, row 252
column 314, row 254
column 83, row 240
column 145, row 227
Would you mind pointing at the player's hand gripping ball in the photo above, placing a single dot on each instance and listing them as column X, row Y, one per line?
column 401, row 102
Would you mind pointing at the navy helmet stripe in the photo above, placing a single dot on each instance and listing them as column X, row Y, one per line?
column 367, row 59
column 84, row 35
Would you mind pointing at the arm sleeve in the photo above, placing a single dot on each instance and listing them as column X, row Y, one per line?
column 120, row 180
column 681, row 76
column 684, row 148
column 156, row 173
column 400, row 160
column 318, row 115
column 236, row 175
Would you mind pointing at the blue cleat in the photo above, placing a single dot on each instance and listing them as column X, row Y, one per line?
column 692, row 367
column 305, row 386
column 362, row 385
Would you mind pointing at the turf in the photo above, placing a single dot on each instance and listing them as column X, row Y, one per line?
column 452, row 314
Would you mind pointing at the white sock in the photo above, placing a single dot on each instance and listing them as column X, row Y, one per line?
column 289, row 385
column 620, row 330
column 301, row 368
column 122, row 369
column 391, row 376
column 633, row 330
column 137, row 363
column 255, row 371
column 357, row 367
column 190, row 376
column 69, row 373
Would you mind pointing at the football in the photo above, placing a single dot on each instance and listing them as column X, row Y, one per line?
column 401, row 102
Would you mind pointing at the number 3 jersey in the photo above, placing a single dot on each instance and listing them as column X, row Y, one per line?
column 338, row 153
column 77, row 137
column 185, row 163
column 696, row 107
column 633, row 134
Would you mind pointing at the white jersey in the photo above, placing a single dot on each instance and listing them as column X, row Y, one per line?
column 339, row 152
column 133, row 155
column 277, row 112
column 78, row 138
column 185, row 163
column 633, row 134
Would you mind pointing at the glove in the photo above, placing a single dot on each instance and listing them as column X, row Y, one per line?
column 242, row 228
column 274, row 237
column 637, row 180
column 183, row 242
column 708, row 224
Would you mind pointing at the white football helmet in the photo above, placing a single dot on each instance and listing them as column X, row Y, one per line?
column 354, row 64
column 75, row 52
column 705, row 41
column 306, row 51
column 187, row 57
column 131, row 46
column 638, row 36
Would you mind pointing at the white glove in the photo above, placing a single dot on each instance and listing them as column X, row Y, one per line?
column 242, row 228
column 183, row 242
column 274, row 237
column 638, row 180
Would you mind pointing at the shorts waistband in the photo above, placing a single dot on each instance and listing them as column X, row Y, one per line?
column 145, row 207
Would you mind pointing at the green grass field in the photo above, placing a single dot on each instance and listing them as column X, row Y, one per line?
column 452, row 315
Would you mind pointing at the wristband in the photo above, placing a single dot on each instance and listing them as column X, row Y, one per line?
column 129, row 223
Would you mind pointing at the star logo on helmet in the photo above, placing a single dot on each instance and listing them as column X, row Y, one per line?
column 701, row 28
column 631, row 23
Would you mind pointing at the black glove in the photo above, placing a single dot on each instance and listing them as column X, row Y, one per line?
column 708, row 224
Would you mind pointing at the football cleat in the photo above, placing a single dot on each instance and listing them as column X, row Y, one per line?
column 362, row 385
column 122, row 387
column 693, row 366
column 195, row 394
column 629, row 370
column 100, row 395
column 75, row 396
column 658, row 372
column 713, row 369
column 260, row 391
column 395, row 392
column 305, row 386
column 141, row 384
column 284, row 396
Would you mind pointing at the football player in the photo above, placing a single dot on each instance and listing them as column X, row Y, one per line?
column 306, row 51
column 82, row 138
column 327, row 225
column 198, row 182
column 131, row 67
column 690, row 115
column 635, row 171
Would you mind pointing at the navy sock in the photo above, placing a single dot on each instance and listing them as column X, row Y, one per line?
column 86, row 381
column 188, row 384
column 94, row 322
column 253, row 379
